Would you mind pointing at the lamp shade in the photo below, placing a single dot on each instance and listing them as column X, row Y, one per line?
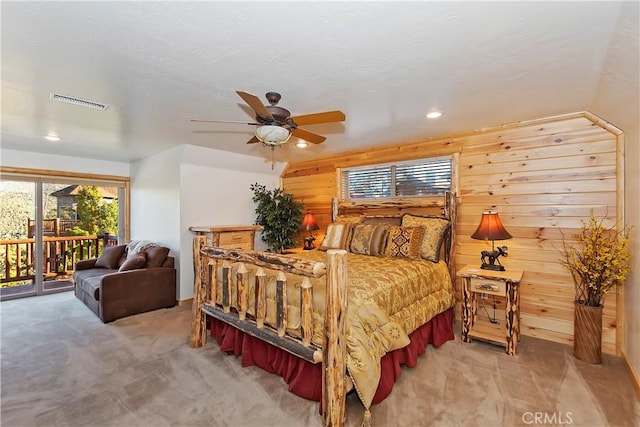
column 490, row 228
column 309, row 222
column 272, row 135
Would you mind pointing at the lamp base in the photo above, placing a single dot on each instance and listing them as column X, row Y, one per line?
column 308, row 243
column 495, row 267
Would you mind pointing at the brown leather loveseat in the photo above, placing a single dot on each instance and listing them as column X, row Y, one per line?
column 118, row 284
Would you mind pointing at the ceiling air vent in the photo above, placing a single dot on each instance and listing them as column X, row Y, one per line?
column 78, row 101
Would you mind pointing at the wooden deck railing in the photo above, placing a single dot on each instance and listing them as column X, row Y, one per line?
column 51, row 227
column 17, row 257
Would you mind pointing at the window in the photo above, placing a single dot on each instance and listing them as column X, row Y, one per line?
column 418, row 178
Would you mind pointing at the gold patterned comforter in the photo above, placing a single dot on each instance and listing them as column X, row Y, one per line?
column 388, row 299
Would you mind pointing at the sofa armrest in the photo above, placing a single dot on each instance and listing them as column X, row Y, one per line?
column 136, row 291
column 86, row 264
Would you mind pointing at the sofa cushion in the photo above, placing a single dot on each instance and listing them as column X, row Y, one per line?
column 136, row 246
column 156, row 256
column 135, row 262
column 110, row 256
column 88, row 281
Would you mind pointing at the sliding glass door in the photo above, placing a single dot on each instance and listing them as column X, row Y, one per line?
column 17, row 250
column 48, row 226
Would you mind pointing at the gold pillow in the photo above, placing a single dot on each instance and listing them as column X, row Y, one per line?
column 335, row 237
column 404, row 242
column 351, row 222
column 434, row 231
column 369, row 239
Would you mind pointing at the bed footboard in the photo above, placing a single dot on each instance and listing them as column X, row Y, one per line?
column 332, row 354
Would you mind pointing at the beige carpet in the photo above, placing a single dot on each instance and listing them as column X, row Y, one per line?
column 62, row 367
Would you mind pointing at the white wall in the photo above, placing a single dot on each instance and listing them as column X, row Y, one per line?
column 618, row 101
column 190, row 186
column 28, row 159
column 155, row 200
column 215, row 190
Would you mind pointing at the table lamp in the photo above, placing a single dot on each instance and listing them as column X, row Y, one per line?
column 309, row 224
column 491, row 228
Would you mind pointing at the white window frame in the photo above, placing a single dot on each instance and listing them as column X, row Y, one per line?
column 342, row 190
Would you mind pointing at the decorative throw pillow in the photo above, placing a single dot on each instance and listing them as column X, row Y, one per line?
column 137, row 246
column 369, row 239
column 110, row 256
column 352, row 221
column 156, row 256
column 434, row 231
column 134, row 263
column 404, row 242
column 335, row 237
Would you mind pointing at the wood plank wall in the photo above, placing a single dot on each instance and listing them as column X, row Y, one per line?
column 542, row 176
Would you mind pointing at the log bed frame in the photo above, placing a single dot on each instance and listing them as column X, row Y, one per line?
column 332, row 354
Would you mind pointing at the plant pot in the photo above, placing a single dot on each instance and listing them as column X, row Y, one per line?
column 587, row 333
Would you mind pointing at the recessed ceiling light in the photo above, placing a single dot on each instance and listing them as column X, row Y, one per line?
column 434, row 115
column 302, row 143
column 52, row 138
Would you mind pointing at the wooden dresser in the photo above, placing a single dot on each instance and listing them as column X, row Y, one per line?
column 229, row 236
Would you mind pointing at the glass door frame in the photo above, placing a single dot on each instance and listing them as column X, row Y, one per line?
column 38, row 177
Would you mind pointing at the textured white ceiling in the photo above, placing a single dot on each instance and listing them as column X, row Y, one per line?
column 385, row 65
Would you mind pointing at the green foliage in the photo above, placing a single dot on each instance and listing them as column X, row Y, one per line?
column 279, row 214
column 96, row 216
column 598, row 262
column 77, row 231
column 89, row 200
column 109, row 217
column 15, row 209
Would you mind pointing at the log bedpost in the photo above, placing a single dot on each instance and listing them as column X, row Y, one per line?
column 281, row 304
column 212, row 269
column 451, row 212
column 226, row 287
column 242, row 285
column 306, row 315
column 334, row 346
column 198, row 318
column 261, row 297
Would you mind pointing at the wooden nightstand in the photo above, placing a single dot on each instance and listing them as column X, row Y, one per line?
column 229, row 236
column 497, row 283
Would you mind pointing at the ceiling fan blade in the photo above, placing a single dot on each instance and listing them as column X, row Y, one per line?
column 253, row 140
column 223, row 121
column 308, row 136
column 255, row 103
column 326, row 117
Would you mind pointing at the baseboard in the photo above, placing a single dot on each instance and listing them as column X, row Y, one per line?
column 635, row 379
column 182, row 303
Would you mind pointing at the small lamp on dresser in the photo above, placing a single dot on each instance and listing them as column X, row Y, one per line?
column 491, row 228
column 309, row 224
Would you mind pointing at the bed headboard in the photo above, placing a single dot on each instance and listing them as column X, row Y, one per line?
column 444, row 207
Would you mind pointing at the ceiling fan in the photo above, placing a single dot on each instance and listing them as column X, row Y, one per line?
column 275, row 124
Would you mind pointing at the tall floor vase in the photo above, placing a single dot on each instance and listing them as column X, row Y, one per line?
column 587, row 333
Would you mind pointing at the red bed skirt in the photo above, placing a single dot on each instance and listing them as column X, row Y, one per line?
column 305, row 378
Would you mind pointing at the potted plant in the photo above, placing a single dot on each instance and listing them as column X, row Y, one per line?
column 598, row 261
column 279, row 214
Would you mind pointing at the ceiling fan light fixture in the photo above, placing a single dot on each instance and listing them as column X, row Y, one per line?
column 272, row 135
